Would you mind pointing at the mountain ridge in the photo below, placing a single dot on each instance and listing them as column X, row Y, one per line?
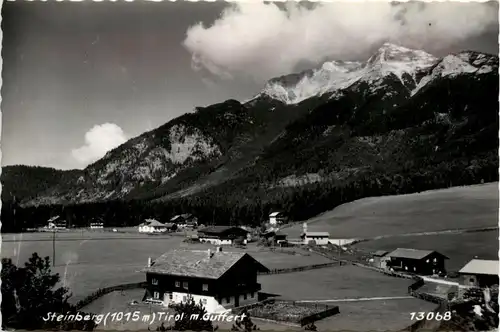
column 358, row 112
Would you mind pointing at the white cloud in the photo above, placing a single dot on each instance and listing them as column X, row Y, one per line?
column 99, row 140
column 263, row 40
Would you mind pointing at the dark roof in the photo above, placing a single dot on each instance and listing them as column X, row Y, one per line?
column 380, row 253
column 318, row 234
column 152, row 222
column 413, row 253
column 220, row 229
column 184, row 216
column 196, row 263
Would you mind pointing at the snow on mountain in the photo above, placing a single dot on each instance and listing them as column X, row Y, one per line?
column 333, row 76
column 462, row 63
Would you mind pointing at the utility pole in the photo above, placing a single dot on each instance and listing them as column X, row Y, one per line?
column 54, row 248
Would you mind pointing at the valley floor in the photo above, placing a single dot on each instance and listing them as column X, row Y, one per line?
column 89, row 260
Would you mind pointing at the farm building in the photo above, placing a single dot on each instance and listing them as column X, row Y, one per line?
column 479, row 273
column 379, row 259
column 424, row 262
column 276, row 218
column 222, row 234
column 152, row 226
column 56, row 223
column 96, row 225
column 184, row 220
column 321, row 238
column 219, row 280
column 276, row 236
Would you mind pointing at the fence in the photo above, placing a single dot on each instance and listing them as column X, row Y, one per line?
column 325, row 310
column 103, row 291
column 330, row 255
column 320, row 315
column 300, row 268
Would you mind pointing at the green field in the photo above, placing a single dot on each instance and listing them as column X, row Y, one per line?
column 92, row 260
column 460, row 248
column 452, row 208
column 382, row 315
column 338, row 282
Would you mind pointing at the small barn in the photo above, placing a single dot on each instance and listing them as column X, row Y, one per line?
column 479, row 273
column 276, row 218
column 379, row 259
column 321, row 238
column 56, row 223
column 222, row 235
column 152, row 226
column 278, row 237
column 423, row 262
column 185, row 220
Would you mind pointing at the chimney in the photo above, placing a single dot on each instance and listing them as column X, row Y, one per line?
column 149, row 261
column 219, row 249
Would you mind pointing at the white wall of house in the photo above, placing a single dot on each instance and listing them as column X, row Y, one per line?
column 219, row 241
column 209, row 302
column 151, row 229
column 321, row 241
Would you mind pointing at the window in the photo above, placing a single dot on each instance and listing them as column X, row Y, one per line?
column 205, row 287
column 177, row 284
column 204, row 301
column 427, row 261
column 185, row 285
column 184, row 299
column 245, row 296
column 435, row 260
column 471, row 280
column 228, row 300
column 170, row 296
column 156, row 295
column 253, row 294
column 154, row 281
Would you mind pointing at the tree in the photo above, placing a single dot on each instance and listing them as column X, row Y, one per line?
column 244, row 324
column 29, row 293
column 191, row 309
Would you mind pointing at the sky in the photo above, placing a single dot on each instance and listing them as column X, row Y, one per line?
column 80, row 78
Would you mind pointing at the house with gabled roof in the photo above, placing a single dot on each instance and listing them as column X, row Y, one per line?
column 56, row 222
column 423, row 262
column 152, row 226
column 320, row 238
column 217, row 279
column 185, row 219
column 379, row 259
column 276, row 218
column 220, row 235
column 479, row 273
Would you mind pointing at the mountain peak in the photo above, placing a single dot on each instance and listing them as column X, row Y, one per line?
column 390, row 52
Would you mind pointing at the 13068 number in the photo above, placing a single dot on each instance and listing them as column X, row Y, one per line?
column 430, row 315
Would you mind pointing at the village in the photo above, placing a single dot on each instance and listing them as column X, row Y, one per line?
column 215, row 266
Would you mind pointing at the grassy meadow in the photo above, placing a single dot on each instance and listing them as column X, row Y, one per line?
column 91, row 260
column 332, row 283
column 453, row 208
